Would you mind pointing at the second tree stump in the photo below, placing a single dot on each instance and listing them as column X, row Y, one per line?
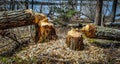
column 74, row 40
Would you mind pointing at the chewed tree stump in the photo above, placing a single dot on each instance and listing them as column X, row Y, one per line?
column 46, row 31
column 74, row 40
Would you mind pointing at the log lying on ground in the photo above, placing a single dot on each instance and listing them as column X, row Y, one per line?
column 104, row 43
column 10, row 19
column 77, row 25
column 94, row 31
column 112, row 24
column 74, row 40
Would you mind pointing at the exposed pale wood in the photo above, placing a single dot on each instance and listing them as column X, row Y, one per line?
column 74, row 40
column 94, row 31
column 46, row 31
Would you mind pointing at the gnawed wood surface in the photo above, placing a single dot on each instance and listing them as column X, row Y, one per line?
column 46, row 31
column 74, row 40
column 94, row 31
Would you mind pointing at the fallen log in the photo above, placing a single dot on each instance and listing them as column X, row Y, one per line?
column 10, row 19
column 74, row 40
column 77, row 25
column 103, row 43
column 112, row 24
column 93, row 31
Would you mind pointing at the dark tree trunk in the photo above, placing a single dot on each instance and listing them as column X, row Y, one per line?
column 12, row 4
column 98, row 12
column 41, row 8
column 113, row 11
column 26, row 4
column 32, row 4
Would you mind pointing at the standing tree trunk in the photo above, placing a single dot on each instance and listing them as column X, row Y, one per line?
column 12, row 4
column 114, row 6
column 32, row 4
column 74, row 40
column 26, row 4
column 41, row 8
column 98, row 12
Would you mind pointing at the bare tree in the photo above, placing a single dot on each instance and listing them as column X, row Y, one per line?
column 113, row 10
column 12, row 4
column 32, row 4
column 26, row 4
column 98, row 12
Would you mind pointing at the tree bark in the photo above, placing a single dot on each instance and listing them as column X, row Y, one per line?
column 12, row 4
column 32, row 4
column 74, row 40
column 10, row 19
column 114, row 6
column 98, row 12
column 94, row 31
column 26, row 4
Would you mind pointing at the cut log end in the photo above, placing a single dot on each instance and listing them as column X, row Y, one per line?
column 89, row 30
column 74, row 40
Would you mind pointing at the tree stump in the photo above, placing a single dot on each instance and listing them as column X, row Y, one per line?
column 93, row 31
column 74, row 40
column 46, row 31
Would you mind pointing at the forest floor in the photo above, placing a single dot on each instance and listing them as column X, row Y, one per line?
column 56, row 52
